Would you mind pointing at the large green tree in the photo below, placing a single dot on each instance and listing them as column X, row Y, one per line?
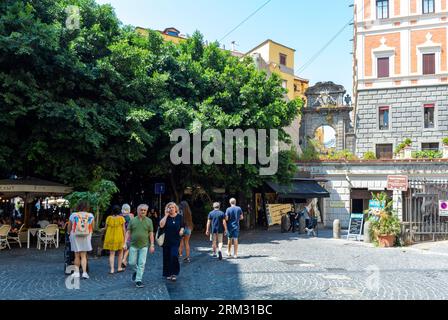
column 100, row 101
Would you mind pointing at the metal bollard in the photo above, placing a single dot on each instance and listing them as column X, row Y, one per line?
column 337, row 229
column 302, row 225
column 367, row 232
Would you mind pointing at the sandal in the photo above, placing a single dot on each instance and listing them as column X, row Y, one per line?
column 121, row 271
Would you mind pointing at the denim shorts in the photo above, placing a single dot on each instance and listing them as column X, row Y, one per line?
column 233, row 234
column 187, row 232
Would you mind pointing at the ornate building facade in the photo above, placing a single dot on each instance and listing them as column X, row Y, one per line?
column 401, row 75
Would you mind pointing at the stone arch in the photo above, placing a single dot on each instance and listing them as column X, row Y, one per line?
column 326, row 107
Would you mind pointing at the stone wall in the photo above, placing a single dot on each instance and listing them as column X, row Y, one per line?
column 406, row 118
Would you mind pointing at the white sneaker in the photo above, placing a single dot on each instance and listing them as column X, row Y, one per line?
column 76, row 275
column 85, row 275
column 214, row 254
column 235, row 256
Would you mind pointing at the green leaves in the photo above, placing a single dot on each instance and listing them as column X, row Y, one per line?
column 104, row 97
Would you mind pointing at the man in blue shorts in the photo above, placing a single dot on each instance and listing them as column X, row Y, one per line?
column 217, row 223
column 234, row 215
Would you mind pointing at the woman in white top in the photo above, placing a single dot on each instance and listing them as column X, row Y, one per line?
column 80, row 227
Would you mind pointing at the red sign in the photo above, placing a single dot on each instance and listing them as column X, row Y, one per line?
column 399, row 183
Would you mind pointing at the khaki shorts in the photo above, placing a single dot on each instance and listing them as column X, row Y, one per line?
column 220, row 237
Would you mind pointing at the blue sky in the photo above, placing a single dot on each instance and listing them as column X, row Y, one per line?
column 300, row 24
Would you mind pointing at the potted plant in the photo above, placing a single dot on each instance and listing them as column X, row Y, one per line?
column 445, row 148
column 369, row 156
column 404, row 149
column 385, row 226
column 98, row 196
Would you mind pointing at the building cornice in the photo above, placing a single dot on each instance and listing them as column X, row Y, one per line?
column 399, row 28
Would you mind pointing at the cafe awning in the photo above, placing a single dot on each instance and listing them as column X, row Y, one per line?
column 31, row 187
column 300, row 189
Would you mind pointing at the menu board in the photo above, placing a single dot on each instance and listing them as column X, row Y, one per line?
column 356, row 226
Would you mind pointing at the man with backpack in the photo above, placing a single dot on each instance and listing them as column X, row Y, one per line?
column 80, row 227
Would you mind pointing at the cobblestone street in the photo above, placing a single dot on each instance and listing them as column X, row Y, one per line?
column 271, row 266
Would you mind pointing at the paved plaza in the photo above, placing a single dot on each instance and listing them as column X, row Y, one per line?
column 272, row 266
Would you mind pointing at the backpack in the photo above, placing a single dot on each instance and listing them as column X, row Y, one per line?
column 83, row 227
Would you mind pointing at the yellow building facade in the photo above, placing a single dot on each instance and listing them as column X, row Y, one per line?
column 169, row 34
column 277, row 58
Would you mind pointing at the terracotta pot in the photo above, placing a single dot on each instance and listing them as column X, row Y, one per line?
column 387, row 241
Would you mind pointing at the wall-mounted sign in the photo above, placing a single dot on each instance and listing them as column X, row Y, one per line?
column 337, row 204
column 398, row 183
column 443, row 208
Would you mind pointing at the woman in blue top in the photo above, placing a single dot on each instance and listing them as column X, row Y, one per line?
column 187, row 216
column 173, row 226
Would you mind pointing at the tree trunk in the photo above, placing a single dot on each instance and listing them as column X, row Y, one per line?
column 173, row 186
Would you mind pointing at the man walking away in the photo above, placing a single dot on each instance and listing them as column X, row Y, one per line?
column 234, row 215
column 141, row 233
column 217, row 223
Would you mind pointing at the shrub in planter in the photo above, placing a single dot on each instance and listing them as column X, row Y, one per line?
column 445, row 142
column 385, row 226
column 370, row 156
column 402, row 146
column 385, row 229
column 430, row 154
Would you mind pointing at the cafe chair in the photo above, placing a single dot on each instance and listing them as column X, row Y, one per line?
column 17, row 236
column 4, row 231
column 48, row 235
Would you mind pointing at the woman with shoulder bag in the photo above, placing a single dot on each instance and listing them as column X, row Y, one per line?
column 173, row 227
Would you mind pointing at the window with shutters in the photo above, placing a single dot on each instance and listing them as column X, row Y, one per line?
column 384, row 151
column 429, row 116
column 383, row 67
column 384, row 113
column 429, row 63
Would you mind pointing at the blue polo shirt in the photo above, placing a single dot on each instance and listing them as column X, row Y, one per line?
column 234, row 214
column 216, row 217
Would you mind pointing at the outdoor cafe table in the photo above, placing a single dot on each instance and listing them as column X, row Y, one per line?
column 35, row 231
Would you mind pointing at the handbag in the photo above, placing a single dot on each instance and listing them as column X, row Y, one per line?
column 160, row 237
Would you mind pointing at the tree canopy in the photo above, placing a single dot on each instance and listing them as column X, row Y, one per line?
column 102, row 100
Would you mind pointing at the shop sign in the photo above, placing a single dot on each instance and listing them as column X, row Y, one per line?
column 398, row 183
column 337, row 204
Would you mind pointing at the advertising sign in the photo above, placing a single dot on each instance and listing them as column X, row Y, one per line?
column 398, row 183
